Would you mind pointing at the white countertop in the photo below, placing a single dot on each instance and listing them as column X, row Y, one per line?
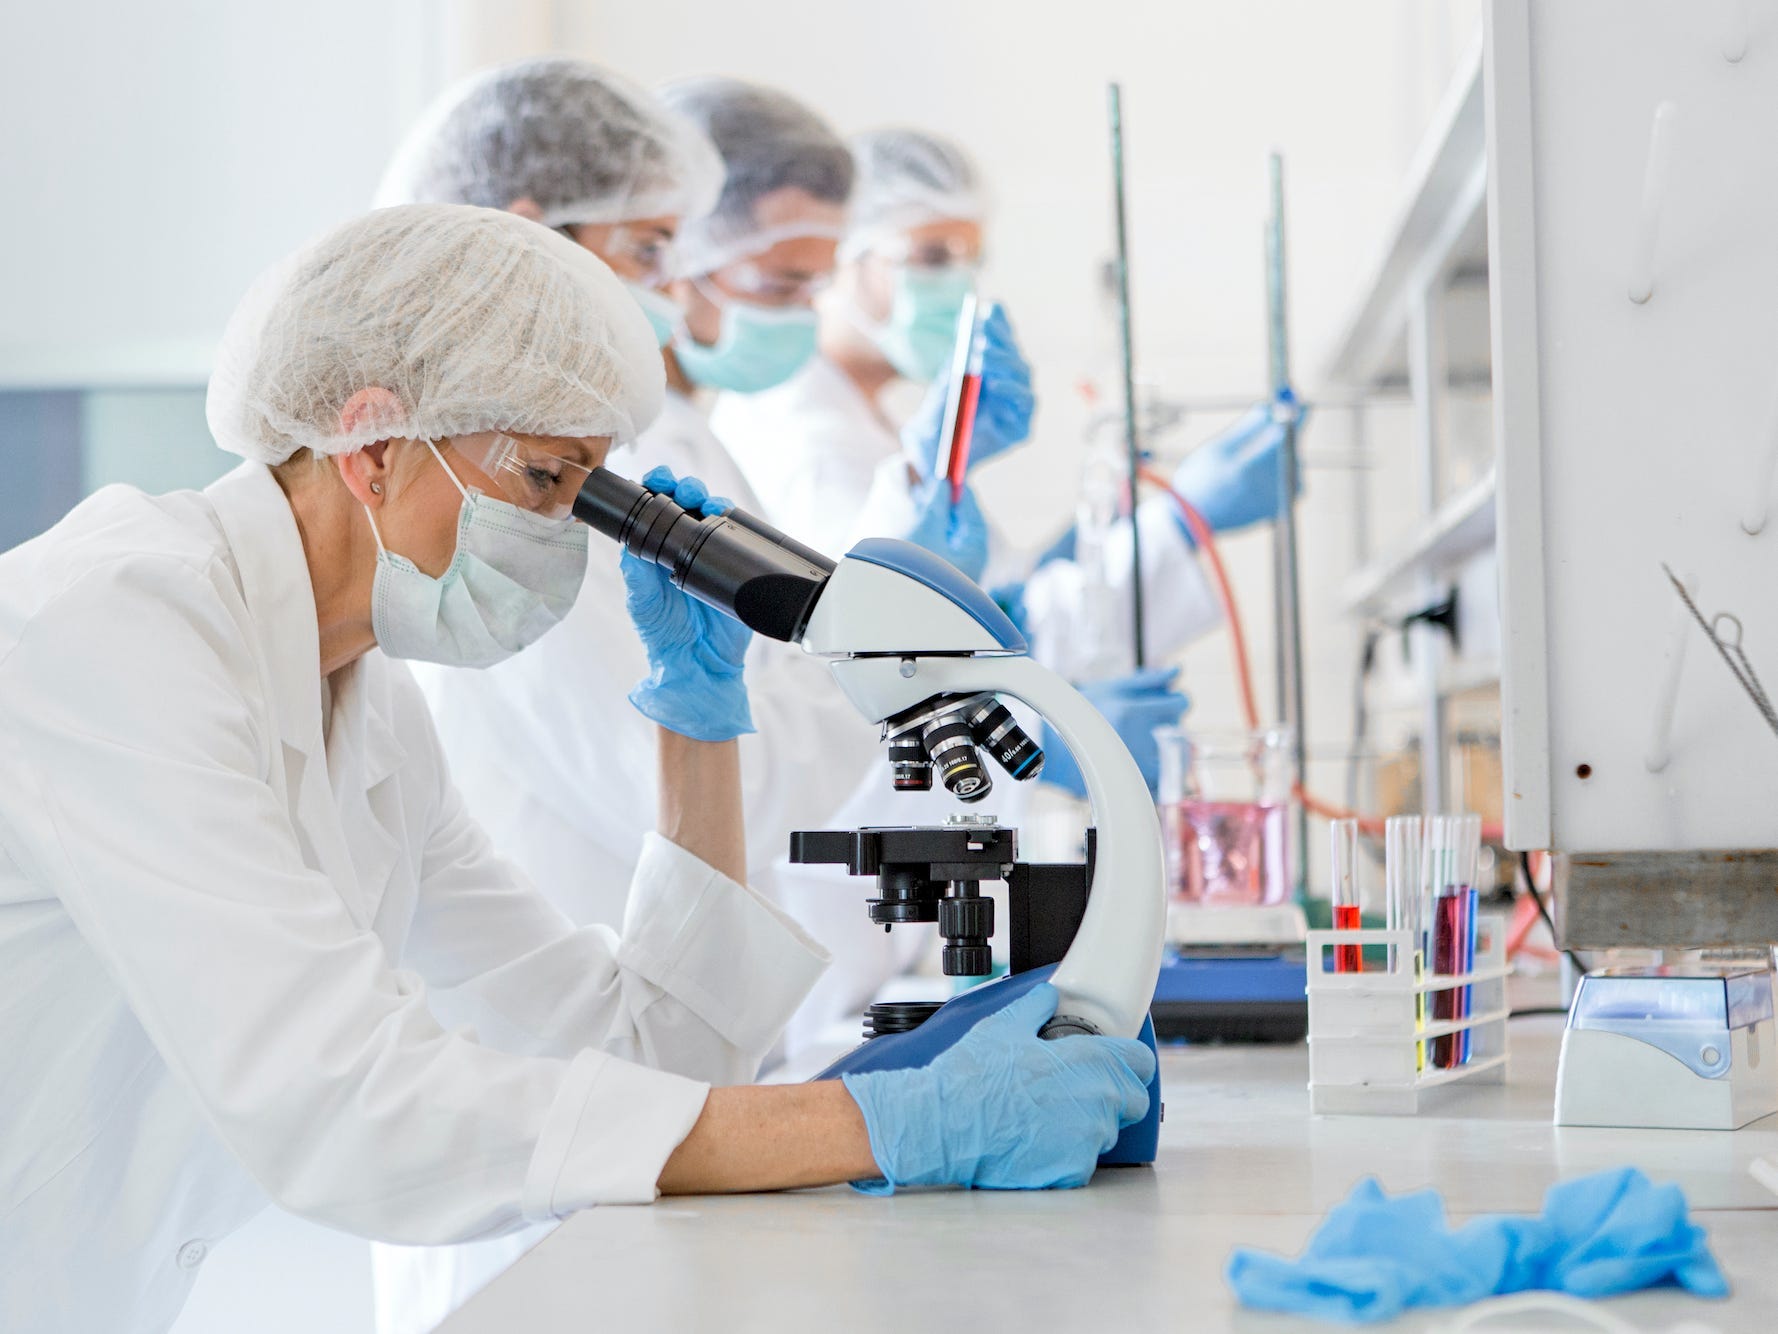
column 1242, row 1162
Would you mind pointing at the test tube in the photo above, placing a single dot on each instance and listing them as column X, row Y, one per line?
column 1472, row 851
column 1402, row 835
column 1446, row 926
column 1348, row 915
column 1425, row 920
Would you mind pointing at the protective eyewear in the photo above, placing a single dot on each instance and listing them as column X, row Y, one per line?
column 931, row 255
column 751, row 282
column 528, row 476
column 649, row 252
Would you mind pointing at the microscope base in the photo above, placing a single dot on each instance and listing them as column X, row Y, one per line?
column 910, row 1050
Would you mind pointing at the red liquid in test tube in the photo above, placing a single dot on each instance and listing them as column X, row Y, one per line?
column 957, row 467
column 1348, row 958
column 1348, row 914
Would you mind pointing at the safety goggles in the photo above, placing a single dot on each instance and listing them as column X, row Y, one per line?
column 932, row 255
column 751, row 281
column 527, row 475
column 649, row 252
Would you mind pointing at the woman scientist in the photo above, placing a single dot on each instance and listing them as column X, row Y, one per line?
column 231, row 862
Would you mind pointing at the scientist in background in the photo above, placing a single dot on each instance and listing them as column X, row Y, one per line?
column 826, row 455
column 232, row 863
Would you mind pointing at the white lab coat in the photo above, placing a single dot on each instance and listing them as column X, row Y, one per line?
column 827, row 464
column 218, row 925
column 560, row 768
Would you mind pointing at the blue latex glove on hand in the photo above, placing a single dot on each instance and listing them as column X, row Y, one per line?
column 957, row 533
column 1003, row 1109
column 696, row 687
column 1135, row 705
column 1375, row 1257
column 1003, row 412
column 1232, row 479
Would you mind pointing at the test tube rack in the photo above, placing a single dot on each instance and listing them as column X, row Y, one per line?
column 1366, row 1028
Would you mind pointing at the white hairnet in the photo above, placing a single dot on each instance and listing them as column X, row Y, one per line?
column 471, row 319
column 768, row 141
column 908, row 178
column 582, row 143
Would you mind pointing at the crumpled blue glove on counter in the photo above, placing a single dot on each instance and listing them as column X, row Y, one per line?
column 1375, row 1257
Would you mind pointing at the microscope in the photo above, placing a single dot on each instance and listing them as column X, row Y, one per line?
column 924, row 653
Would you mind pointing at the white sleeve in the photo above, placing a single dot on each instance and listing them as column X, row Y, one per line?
column 1071, row 619
column 704, row 976
column 130, row 736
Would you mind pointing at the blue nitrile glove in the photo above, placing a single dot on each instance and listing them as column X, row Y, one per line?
column 1135, row 705
column 1003, row 412
column 1375, row 1257
column 1232, row 479
column 1003, row 1109
column 696, row 687
column 958, row 533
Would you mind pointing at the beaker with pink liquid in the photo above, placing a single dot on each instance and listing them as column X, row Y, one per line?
column 1225, row 807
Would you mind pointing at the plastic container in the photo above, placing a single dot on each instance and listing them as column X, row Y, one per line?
column 1225, row 816
column 1370, row 1033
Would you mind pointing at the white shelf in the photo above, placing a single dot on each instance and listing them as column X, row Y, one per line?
column 1458, row 529
column 1440, row 225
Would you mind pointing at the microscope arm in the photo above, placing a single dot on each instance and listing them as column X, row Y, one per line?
column 1107, row 978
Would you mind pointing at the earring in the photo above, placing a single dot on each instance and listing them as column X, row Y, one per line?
column 376, row 488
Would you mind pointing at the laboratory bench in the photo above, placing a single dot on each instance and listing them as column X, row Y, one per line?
column 1242, row 1163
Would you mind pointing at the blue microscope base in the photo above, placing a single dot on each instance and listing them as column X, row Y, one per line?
column 913, row 1049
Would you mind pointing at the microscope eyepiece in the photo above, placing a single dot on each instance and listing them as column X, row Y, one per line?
column 735, row 562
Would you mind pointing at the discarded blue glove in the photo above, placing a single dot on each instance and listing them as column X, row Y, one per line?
column 1004, row 1109
column 696, row 685
column 1003, row 412
column 1135, row 705
column 958, row 533
column 1232, row 478
column 1375, row 1257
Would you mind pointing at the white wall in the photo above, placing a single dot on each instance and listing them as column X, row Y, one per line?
column 157, row 156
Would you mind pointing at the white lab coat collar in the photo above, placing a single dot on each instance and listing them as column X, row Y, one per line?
column 333, row 777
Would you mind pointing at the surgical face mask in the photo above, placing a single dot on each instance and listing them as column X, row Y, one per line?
column 921, row 331
column 664, row 314
column 514, row 576
column 756, row 348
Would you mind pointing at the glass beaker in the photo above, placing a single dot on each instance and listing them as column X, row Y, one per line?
column 1224, row 806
